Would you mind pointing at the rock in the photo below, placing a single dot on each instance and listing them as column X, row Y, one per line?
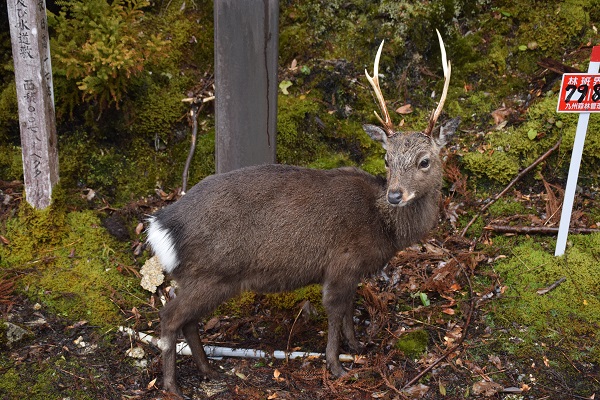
column 116, row 225
column 14, row 333
column 136, row 352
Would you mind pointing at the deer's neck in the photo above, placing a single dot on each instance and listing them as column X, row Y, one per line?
column 411, row 223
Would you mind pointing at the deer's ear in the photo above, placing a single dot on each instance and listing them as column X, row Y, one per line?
column 441, row 135
column 376, row 133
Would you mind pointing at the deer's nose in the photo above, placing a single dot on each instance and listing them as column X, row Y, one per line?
column 394, row 197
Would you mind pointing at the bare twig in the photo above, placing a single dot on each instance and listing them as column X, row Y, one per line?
column 511, row 184
column 551, row 287
column 543, row 230
column 197, row 104
column 195, row 109
column 287, row 349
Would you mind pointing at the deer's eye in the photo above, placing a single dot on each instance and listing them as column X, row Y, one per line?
column 424, row 164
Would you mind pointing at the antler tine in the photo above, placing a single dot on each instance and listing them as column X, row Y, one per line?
column 447, row 69
column 388, row 126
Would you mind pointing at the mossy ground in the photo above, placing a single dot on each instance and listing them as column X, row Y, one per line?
column 71, row 264
column 39, row 381
column 571, row 310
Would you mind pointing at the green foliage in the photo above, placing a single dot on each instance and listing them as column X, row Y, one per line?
column 38, row 381
column 562, row 20
column 573, row 308
column 511, row 149
column 101, row 45
column 158, row 108
column 238, row 306
column 374, row 165
column 125, row 173
column 289, row 300
column 569, row 314
column 34, row 230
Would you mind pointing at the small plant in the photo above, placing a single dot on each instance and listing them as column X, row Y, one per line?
column 102, row 44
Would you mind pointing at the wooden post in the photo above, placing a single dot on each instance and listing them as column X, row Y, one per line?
column 33, row 76
column 246, row 51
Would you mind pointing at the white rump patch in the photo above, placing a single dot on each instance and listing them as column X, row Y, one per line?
column 162, row 243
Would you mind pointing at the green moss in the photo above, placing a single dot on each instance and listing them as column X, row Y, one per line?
column 560, row 21
column 125, row 173
column 159, row 107
column 499, row 166
column 87, row 286
column 239, row 306
column 32, row 231
column 334, row 160
column 297, row 131
column 11, row 162
column 39, row 381
column 69, row 263
column 289, row 300
column 505, row 208
column 511, row 149
column 243, row 305
column 374, row 165
column 413, row 343
column 573, row 308
column 9, row 114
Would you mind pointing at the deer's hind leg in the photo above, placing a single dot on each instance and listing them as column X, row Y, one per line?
column 337, row 300
column 192, row 303
column 192, row 337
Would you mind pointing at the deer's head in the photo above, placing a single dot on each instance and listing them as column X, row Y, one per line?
column 412, row 158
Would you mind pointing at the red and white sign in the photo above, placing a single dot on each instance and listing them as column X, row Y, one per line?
column 579, row 93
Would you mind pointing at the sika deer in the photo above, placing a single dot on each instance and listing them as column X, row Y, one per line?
column 273, row 228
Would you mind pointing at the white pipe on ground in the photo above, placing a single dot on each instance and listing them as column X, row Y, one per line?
column 217, row 351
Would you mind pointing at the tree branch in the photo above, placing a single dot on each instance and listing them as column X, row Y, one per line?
column 511, row 184
column 542, row 230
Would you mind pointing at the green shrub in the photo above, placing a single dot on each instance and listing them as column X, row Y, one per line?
column 101, row 45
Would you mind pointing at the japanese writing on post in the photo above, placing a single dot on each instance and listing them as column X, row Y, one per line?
column 33, row 75
column 579, row 93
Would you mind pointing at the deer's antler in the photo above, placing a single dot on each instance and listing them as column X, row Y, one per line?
column 446, row 65
column 388, row 126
